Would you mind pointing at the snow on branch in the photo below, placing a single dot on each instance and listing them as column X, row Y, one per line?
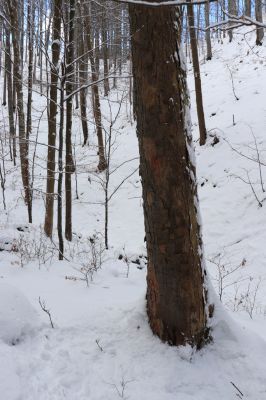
column 242, row 20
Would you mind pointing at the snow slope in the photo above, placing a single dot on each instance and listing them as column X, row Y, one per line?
column 101, row 346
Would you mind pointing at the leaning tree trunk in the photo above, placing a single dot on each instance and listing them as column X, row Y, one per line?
column 197, row 79
column 259, row 30
column 175, row 294
column 49, row 205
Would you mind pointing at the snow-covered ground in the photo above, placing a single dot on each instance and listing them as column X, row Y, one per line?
column 101, row 346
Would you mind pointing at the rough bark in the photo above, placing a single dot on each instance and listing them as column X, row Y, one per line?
column 175, row 294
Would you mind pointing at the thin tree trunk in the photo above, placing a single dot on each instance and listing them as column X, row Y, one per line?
column 259, row 30
column 83, row 75
column 96, row 99
column 60, row 168
column 248, row 8
column 10, row 89
column 97, row 52
column 52, row 111
column 196, row 68
column 20, row 5
column 105, row 52
column 69, row 168
column 208, row 34
column 23, row 144
column 4, row 90
column 30, row 66
column 232, row 11
column 41, row 43
column 1, row 43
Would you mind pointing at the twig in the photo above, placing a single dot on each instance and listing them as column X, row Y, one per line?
column 241, row 394
column 258, row 158
column 97, row 341
column 233, row 86
column 43, row 307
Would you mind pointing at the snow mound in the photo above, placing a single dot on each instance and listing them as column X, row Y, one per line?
column 17, row 316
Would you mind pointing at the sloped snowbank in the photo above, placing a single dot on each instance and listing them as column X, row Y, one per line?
column 17, row 316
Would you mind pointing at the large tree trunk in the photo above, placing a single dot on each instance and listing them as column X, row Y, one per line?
column 49, row 206
column 175, row 295
column 197, row 79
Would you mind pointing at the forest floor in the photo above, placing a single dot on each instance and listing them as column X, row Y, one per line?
column 101, row 347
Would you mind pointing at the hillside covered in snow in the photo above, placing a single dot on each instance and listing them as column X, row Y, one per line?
column 100, row 345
